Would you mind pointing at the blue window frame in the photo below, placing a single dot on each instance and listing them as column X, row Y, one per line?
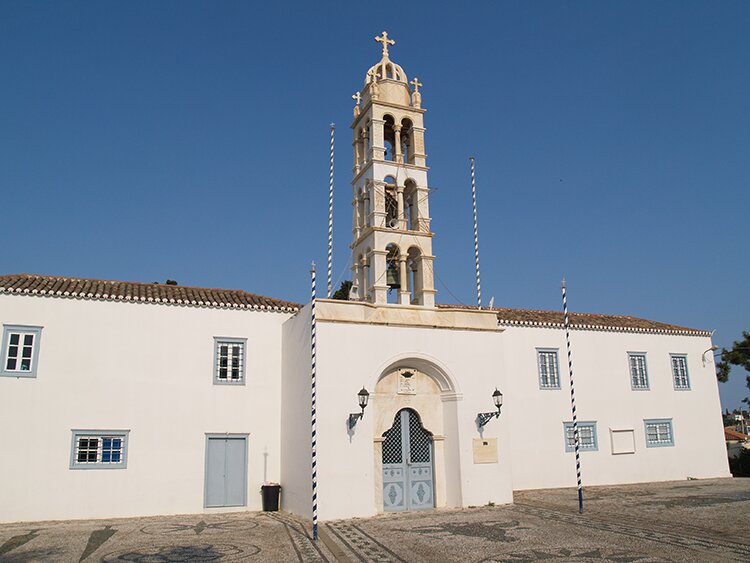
column 549, row 372
column 587, row 439
column 99, row 449
column 20, row 350
column 638, row 371
column 680, row 376
column 659, row 432
column 229, row 361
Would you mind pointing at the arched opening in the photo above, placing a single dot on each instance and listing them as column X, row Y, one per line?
column 411, row 199
column 392, row 272
column 389, row 137
column 416, row 416
column 414, row 269
column 391, row 203
column 407, row 148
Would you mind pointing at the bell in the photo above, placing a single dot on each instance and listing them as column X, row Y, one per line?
column 391, row 278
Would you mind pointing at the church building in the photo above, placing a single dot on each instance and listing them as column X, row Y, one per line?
column 131, row 399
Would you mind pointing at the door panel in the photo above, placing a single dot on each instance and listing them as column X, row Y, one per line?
column 235, row 472
column 407, row 465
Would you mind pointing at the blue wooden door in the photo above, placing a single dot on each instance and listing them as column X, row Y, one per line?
column 407, row 465
column 226, row 471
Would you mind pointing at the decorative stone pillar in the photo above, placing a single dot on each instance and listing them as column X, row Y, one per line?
column 365, row 145
column 379, row 286
column 356, row 219
column 357, row 154
column 368, row 205
column 378, row 204
column 420, row 159
column 427, row 291
column 400, row 207
column 404, row 292
column 355, row 280
column 377, row 146
column 397, row 156
column 365, row 285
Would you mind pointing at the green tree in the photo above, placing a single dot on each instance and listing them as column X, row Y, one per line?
column 342, row 293
column 737, row 355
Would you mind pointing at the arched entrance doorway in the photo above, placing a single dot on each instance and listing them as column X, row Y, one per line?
column 425, row 440
column 408, row 475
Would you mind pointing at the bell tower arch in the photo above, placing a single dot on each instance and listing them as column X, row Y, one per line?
column 392, row 259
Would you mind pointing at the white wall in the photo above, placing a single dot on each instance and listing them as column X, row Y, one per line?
column 296, row 449
column 354, row 355
column 147, row 368
column 604, row 394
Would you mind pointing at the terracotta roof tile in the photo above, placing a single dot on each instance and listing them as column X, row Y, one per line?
column 135, row 291
column 731, row 434
column 589, row 321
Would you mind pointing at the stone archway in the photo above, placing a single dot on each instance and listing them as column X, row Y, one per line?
column 420, row 386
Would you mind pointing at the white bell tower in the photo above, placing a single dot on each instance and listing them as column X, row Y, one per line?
column 392, row 242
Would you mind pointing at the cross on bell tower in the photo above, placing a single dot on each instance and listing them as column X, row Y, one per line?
column 392, row 259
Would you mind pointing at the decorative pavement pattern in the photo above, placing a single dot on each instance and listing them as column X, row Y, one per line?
column 686, row 521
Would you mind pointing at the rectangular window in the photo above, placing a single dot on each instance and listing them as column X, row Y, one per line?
column 99, row 449
column 679, row 372
column 20, row 350
column 587, row 441
column 659, row 432
column 229, row 361
column 549, row 374
column 638, row 373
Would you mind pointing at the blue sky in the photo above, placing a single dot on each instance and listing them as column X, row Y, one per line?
column 189, row 140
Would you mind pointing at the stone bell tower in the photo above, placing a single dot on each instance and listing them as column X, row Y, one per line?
column 392, row 242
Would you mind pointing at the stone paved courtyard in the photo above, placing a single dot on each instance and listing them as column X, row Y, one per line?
column 677, row 521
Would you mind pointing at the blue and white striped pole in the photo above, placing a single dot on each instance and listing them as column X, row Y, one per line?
column 330, row 218
column 313, row 408
column 476, row 233
column 576, row 440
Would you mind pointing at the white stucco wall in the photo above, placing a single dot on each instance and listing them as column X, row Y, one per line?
column 296, row 448
column 604, row 394
column 146, row 368
column 352, row 355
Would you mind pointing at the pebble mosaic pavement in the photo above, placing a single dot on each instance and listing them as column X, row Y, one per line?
column 678, row 521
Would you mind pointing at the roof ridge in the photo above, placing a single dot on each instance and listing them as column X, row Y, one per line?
column 149, row 284
column 157, row 292
column 594, row 321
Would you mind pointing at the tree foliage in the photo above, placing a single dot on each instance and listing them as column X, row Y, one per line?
column 737, row 355
column 342, row 293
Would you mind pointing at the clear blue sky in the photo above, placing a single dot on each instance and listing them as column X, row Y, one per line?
column 189, row 140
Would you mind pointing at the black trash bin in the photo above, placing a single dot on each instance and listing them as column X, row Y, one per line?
column 270, row 497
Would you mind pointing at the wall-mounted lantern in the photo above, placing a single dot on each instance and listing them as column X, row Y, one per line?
column 484, row 417
column 362, row 397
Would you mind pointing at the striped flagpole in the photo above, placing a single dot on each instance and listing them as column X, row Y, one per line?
column 572, row 397
column 314, row 437
column 330, row 217
column 476, row 233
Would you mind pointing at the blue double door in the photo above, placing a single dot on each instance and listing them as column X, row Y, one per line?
column 226, row 470
column 408, row 476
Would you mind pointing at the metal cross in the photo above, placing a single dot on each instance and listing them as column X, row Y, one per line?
column 385, row 41
column 358, row 97
column 416, row 83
